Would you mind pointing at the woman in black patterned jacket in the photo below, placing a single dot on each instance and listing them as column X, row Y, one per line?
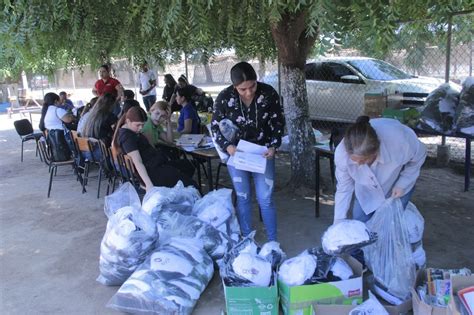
column 255, row 109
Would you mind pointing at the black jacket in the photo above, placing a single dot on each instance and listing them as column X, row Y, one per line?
column 261, row 123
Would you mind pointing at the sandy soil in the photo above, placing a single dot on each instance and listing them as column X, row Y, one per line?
column 49, row 248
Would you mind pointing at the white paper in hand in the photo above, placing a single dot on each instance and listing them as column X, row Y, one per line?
column 249, row 157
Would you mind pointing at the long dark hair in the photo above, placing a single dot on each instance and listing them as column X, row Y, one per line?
column 49, row 99
column 89, row 105
column 169, row 78
column 243, row 71
column 186, row 92
column 361, row 139
column 134, row 114
column 98, row 115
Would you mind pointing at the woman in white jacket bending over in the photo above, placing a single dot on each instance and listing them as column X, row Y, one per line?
column 377, row 159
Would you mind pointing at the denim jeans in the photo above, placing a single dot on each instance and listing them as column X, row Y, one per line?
column 264, row 191
column 149, row 101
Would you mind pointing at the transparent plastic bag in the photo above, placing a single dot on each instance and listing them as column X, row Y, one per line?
column 216, row 208
column 371, row 306
column 390, row 258
column 170, row 281
column 130, row 236
column 172, row 224
column 243, row 267
column 346, row 236
column 228, row 129
column 272, row 252
column 124, row 196
column 439, row 109
column 465, row 110
column 178, row 198
column 414, row 222
column 298, row 270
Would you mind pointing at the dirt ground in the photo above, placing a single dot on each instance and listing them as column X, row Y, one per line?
column 49, row 248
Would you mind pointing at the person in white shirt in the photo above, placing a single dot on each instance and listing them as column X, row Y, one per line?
column 377, row 159
column 148, row 82
column 53, row 116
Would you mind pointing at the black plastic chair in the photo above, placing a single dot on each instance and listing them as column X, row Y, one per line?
column 25, row 131
column 44, row 150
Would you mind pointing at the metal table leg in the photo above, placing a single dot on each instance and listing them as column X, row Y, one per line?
column 467, row 165
column 209, row 174
column 317, row 178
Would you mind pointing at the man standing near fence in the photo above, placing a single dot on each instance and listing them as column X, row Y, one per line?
column 148, row 82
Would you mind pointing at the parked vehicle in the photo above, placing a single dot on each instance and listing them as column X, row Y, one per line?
column 337, row 87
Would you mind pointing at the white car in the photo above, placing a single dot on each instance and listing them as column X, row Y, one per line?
column 338, row 87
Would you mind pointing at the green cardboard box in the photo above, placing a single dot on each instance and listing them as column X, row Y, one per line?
column 299, row 299
column 251, row 300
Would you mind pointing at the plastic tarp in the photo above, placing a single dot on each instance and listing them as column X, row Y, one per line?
column 170, row 281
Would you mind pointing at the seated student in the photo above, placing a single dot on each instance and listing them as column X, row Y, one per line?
column 158, row 118
column 100, row 123
column 152, row 166
column 52, row 115
column 127, row 105
column 85, row 113
column 65, row 102
column 168, row 90
column 153, row 130
column 183, row 82
column 188, row 121
column 128, row 95
column 53, row 119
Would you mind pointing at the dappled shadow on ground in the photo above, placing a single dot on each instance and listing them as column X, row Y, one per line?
column 49, row 249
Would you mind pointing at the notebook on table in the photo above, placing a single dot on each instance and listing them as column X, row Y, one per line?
column 190, row 140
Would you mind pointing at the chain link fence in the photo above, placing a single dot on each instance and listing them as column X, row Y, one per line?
column 350, row 80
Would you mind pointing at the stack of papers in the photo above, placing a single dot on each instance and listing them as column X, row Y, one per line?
column 249, row 157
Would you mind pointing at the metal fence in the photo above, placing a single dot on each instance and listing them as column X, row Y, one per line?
column 342, row 85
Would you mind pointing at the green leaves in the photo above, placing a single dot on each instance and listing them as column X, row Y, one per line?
column 89, row 31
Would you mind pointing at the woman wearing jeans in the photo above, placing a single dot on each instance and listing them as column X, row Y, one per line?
column 255, row 109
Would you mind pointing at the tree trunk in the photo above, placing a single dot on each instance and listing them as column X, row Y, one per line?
column 261, row 67
column 208, row 71
column 293, row 46
column 300, row 132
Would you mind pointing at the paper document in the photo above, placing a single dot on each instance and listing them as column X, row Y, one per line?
column 249, row 157
column 190, row 140
column 250, row 147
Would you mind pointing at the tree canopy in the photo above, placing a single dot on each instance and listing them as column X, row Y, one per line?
column 42, row 35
